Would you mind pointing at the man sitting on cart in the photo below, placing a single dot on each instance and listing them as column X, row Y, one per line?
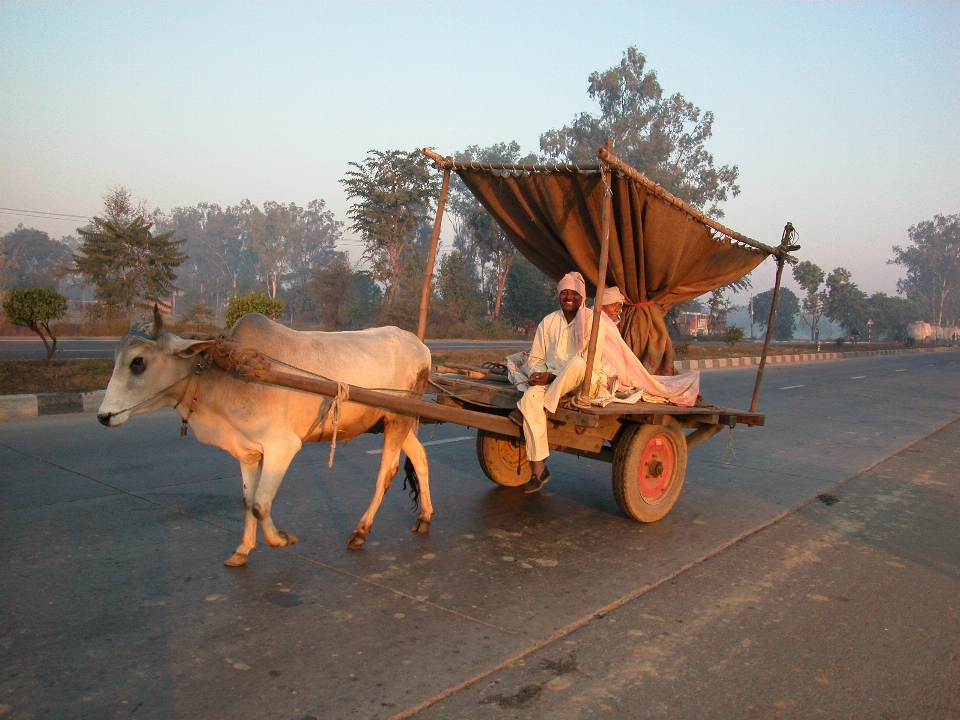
column 556, row 367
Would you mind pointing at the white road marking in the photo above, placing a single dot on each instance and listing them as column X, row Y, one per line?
column 791, row 387
column 901, row 370
column 858, row 377
column 430, row 442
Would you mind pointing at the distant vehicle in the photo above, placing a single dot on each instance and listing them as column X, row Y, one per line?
column 925, row 332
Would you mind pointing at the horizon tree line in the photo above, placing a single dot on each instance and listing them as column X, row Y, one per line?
column 206, row 254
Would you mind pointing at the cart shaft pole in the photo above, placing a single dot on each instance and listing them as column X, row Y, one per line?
column 432, row 257
column 386, row 401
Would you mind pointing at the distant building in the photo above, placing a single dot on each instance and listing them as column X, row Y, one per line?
column 698, row 324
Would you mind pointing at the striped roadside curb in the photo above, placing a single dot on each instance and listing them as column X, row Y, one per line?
column 710, row 363
column 24, row 406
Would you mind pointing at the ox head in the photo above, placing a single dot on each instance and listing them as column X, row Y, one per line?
column 149, row 371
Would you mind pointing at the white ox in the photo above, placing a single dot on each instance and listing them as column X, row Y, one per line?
column 263, row 426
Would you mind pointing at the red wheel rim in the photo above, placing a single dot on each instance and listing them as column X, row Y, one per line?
column 658, row 464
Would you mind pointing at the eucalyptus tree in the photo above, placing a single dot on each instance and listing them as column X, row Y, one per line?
column 664, row 137
column 932, row 263
column 393, row 193
column 218, row 264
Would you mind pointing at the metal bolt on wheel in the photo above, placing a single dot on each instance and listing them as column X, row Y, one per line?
column 649, row 466
column 503, row 459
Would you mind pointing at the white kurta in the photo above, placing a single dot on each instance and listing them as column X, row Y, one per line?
column 555, row 350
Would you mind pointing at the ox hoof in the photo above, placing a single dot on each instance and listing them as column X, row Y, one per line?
column 421, row 526
column 356, row 541
column 287, row 539
column 236, row 560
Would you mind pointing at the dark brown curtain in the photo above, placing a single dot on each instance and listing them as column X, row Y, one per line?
column 658, row 253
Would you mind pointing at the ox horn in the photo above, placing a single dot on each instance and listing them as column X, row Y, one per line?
column 157, row 322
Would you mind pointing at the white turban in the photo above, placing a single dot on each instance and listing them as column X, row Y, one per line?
column 573, row 281
column 612, row 295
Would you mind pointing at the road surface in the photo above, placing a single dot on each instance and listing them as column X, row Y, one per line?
column 750, row 599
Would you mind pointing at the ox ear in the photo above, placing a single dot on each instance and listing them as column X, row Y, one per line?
column 187, row 348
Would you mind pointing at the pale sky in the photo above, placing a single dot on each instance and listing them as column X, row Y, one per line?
column 843, row 118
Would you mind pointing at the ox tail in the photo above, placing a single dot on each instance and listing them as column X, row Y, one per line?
column 414, row 483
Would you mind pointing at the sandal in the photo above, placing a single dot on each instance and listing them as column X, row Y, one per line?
column 535, row 484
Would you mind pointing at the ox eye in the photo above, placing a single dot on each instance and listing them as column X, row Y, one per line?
column 137, row 365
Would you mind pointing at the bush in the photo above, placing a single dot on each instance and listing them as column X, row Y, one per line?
column 840, row 342
column 36, row 308
column 252, row 302
column 681, row 349
column 197, row 318
column 733, row 335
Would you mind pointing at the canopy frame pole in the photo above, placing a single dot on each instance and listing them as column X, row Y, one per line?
column 781, row 259
column 432, row 257
column 601, row 281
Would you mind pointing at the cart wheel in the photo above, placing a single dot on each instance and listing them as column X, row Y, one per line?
column 503, row 459
column 649, row 465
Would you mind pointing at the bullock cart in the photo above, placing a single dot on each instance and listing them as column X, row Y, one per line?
column 615, row 226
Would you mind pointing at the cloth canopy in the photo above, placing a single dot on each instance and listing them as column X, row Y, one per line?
column 659, row 255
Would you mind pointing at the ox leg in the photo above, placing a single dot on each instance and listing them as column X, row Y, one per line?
column 251, row 478
column 394, row 431
column 418, row 456
column 274, row 467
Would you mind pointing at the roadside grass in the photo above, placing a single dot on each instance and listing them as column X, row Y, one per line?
column 26, row 377
column 21, row 377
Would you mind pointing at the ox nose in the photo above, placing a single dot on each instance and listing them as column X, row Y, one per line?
column 104, row 418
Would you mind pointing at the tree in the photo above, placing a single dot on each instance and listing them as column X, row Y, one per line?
column 478, row 236
column 128, row 264
column 197, row 316
column 254, row 302
column 846, row 303
column 393, row 191
column 662, row 137
column 529, row 296
column 890, row 315
column 717, row 306
column 810, row 277
column 785, row 320
column 331, row 289
column 218, row 263
column 733, row 335
column 932, row 262
column 31, row 257
column 315, row 244
column 457, row 288
column 36, row 308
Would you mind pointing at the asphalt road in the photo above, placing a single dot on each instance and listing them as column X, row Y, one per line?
column 82, row 348
column 751, row 599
